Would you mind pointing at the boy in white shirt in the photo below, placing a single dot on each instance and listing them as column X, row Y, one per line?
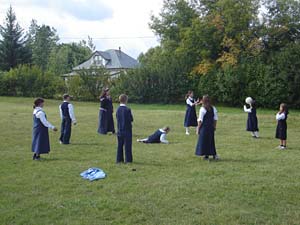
column 67, row 116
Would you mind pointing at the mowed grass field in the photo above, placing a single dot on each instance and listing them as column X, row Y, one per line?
column 253, row 183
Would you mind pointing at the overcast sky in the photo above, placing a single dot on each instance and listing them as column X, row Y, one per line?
column 111, row 23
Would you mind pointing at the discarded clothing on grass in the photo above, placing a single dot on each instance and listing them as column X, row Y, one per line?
column 93, row 174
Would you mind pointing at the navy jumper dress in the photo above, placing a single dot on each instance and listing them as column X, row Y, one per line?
column 206, row 137
column 154, row 138
column 40, row 137
column 252, row 121
column 281, row 129
column 190, row 119
column 106, row 121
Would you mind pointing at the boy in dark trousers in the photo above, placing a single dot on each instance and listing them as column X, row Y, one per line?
column 124, row 120
column 67, row 116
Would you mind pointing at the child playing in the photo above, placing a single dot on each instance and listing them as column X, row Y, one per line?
column 207, row 123
column 40, row 135
column 190, row 119
column 158, row 136
column 106, row 121
column 124, row 134
column 66, row 111
column 281, row 130
column 252, row 119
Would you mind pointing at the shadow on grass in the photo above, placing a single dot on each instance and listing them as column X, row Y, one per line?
column 43, row 159
column 149, row 163
column 264, row 138
column 243, row 160
column 85, row 144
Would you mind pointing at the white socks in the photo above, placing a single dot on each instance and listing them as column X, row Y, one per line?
column 255, row 134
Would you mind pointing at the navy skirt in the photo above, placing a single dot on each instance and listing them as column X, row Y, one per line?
column 281, row 130
column 252, row 124
column 190, row 119
column 106, row 122
column 206, row 142
column 40, row 140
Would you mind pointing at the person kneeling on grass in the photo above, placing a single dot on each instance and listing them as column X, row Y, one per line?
column 158, row 136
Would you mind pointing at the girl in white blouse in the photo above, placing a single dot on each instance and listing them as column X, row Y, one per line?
column 40, row 135
column 207, row 124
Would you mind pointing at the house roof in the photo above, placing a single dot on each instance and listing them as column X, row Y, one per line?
column 114, row 59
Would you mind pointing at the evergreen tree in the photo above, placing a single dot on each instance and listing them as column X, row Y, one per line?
column 30, row 37
column 44, row 40
column 12, row 43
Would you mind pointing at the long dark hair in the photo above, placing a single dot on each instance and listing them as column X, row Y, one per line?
column 37, row 102
column 188, row 94
column 284, row 108
column 206, row 102
column 104, row 92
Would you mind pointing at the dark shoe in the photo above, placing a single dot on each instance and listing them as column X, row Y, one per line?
column 206, row 158
column 34, row 156
column 37, row 157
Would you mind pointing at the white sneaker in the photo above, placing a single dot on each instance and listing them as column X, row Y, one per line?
column 187, row 133
column 60, row 142
column 216, row 157
column 282, row 147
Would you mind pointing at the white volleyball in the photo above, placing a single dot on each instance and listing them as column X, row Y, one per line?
column 249, row 100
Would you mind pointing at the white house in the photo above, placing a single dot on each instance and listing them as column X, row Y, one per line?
column 115, row 61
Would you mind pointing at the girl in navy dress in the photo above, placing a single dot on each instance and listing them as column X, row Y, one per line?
column 281, row 130
column 190, row 119
column 106, row 121
column 40, row 135
column 207, row 123
column 252, row 123
column 158, row 136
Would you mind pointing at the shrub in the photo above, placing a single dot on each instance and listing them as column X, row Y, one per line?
column 30, row 81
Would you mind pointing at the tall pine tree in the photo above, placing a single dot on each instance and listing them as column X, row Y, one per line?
column 12, row 43
column 45, row 39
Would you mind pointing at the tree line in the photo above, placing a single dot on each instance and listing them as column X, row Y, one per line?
column 225, row 48
column 32, row 63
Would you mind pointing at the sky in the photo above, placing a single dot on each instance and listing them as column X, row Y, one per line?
column 110, row 23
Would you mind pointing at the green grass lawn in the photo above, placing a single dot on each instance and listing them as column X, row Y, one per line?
column 253, row 183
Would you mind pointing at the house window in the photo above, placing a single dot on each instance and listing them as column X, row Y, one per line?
column 98, row 60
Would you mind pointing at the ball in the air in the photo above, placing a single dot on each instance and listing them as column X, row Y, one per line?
column 249, row 100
